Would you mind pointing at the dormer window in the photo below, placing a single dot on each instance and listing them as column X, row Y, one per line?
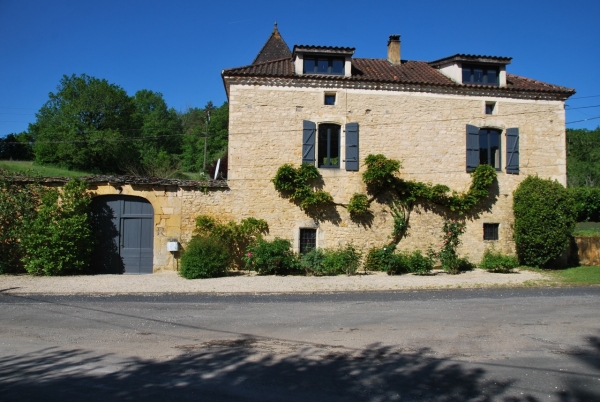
column 324, row 65
column 480, row 74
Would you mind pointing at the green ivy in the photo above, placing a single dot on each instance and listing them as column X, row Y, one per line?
column 296, row 182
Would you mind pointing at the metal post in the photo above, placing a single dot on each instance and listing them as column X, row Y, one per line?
column 205, row 138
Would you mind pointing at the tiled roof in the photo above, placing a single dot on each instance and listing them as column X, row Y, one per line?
column 472, row 58
column 324, row 49
column 274, row 49
column 380, row 70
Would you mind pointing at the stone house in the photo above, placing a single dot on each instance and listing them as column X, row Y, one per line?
column 320, row 105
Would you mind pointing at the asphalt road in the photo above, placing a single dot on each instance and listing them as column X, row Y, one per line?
column 459, row 345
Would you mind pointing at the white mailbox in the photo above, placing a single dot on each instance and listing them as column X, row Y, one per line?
column 173, row 246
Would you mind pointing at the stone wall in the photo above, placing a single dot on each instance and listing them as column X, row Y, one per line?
column 425, row 131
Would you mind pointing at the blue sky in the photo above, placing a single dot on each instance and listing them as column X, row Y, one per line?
column 179, row 48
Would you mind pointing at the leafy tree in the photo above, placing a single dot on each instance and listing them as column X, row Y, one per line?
column 160, row 129
column 583, row 154
column 17, row 147
column 82, row 126
column 193, row 122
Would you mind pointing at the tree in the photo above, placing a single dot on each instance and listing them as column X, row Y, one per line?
column 583, row 154
column 193, row 122
column 17, row 147
column 83, row 126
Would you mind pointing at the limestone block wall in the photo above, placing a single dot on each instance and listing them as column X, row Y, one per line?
column 425, row 131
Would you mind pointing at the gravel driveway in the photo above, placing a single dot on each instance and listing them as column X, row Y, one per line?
column 171, row 282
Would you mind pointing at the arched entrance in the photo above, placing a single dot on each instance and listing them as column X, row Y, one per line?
column 125, row 236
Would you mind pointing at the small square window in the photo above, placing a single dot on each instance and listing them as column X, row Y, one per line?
column 490, row 231
column 490, row 107
column 330, row 99
column 308, row 240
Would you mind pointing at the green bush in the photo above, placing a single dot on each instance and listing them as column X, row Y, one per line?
column 18, row 206
column 385, row 260
column 419, row 264
column 59, row 240
column 312, row 262
column 587, row 203
column 235, row 236
column 272, row 257
column 497, row 262
column 204, row 257
column 544, row 220
column 344, row 260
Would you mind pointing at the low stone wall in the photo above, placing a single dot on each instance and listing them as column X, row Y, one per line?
column 588, row 250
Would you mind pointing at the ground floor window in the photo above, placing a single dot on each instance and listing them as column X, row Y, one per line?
column 308, row 240
column 490, row 231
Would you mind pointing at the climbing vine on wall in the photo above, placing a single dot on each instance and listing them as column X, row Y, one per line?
column 381, row 177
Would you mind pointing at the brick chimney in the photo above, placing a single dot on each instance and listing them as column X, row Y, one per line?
column 394, row 50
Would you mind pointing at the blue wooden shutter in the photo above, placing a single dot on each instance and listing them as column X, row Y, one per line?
column 512, row 150
column 472, row 147
column 309, row 129
column 352, row 146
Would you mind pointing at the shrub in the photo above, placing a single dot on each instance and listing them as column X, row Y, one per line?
column 204, row 257
column 418, row 263
column 497, row 262
column 272, row 257
column 59, row 241
column 450, row 241
column 18, row 206
column 344, row 260
column 312, row 262
column 544, row 220
column 383, row 259
column 235, row 236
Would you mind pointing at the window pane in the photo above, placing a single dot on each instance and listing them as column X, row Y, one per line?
column 494, row 140
column 466, row 75
column 308, row 240
column 490, row 231
column 489, row 108
column 483, row 147
column 338, row 66
column 330, row 99
column 323, row 67
column 334, row 155
column 322, row 150
column 309, row 66
column 478, row 75
column 492, row 77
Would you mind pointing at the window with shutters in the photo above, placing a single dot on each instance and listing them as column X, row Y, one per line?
column 323, row 145
column 328, row 152
column 484, row 148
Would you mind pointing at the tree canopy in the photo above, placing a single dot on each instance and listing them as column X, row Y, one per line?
column 583, row 157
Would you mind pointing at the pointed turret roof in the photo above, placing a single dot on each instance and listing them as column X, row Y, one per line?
column 274, row 49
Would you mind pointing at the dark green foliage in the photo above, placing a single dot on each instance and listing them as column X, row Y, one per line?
column 312, row 262
column 544, row 220
column 296, row 183
column 587, row 203
column 193, row 122
column 204, row 257
column 18, row 207
column 381, row 172
column 583, row 154
column 385, row 259
column 358, row 205
column 343, row 260
column 235, row 236
column 495, row 261
column 272, row 257
column 400, row 221
column 83, row 124
column 59, row 240
column 16, row 147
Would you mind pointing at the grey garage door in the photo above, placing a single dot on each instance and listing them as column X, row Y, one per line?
column 124, row 228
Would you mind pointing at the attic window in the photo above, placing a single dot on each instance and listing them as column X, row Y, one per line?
column 324, row 65
column 480, row 74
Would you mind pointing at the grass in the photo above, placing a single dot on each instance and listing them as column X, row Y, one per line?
column 577, row 275
column 44, row 171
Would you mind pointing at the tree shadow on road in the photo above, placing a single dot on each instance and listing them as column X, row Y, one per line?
column 249, row 370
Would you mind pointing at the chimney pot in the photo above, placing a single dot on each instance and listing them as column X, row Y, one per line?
column 394, row 50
